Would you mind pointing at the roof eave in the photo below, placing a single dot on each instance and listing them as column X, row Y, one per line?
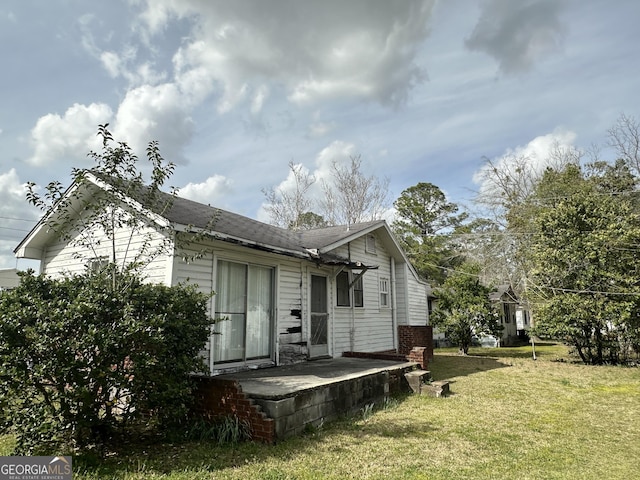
column 224, row 237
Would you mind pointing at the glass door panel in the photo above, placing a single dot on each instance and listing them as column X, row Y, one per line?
column 319, row 324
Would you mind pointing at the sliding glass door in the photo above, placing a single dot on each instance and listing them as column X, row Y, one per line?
column 245, row 300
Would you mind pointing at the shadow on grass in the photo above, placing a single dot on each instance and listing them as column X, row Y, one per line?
column 543, row 350
column 447, row 366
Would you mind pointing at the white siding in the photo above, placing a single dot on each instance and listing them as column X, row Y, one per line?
column 412, row 306
column 288, row 323
column 418, row 305
column 402, row 294
column 368, row 328
column 62, row 257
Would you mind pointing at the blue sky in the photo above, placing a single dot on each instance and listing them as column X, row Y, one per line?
column 234, row 91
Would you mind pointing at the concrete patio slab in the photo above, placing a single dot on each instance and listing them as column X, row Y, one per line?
column 287, row 381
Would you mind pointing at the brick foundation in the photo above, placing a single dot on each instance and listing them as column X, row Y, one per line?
column 216, row 397
column 415, row 345
column 415, row 336
column 419, row 355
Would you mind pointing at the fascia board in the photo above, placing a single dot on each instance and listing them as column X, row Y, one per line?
column 242, row 241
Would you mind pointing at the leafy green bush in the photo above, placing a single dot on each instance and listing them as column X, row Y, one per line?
column 83, row 363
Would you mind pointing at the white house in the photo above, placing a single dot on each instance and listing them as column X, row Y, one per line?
column 506, row 303
column 9, row 278
column 286, row 296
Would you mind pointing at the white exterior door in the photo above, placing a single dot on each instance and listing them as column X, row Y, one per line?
column 319, row 322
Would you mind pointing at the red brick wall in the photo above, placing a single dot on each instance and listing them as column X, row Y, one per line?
column 415, row 336
column 220, row 397
column 419, row 355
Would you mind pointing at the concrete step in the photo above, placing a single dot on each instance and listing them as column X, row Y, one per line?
column 439, row 388
column 417, row 379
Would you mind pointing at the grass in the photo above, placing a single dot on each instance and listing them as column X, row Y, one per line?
column 507, row 417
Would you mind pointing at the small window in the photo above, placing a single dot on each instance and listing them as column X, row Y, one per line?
column 342, row 289
column 98, row 264
column 507, row 317
column 370, row 243
column 358, row 293
column 384, row 292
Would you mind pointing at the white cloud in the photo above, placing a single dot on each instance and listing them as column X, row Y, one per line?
column 316, row 50
column 212, row 191
column 124, row 65
column 320, row 129
column 337, row 152
column 155, row 113
column 539, row 153
column 68, row 137
column 16, row 216
column 518, row 34
column 12, row 191
column 259, row 98
column 111, row 62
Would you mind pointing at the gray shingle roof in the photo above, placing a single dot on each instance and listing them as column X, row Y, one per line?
column 221, row 224
column 188, row 212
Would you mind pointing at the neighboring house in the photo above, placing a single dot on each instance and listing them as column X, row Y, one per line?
column 9, row 279
column 506, row 303
column 513, row 317
column 286, row 296
column 524, row 321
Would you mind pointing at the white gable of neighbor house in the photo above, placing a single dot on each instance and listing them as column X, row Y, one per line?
column 9, row 278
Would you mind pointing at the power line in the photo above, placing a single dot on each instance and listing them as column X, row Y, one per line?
column 14, row 229
column 18, row 219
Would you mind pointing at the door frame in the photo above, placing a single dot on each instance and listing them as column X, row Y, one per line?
column 321, row 350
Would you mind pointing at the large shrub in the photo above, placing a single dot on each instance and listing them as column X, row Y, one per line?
column 81, row 363
column 464, row 308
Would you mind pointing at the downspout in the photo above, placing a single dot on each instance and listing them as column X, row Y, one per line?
column 406, row 294
column 332, row 304
column 276, row 309
column 352, row 330
column 212, row 311
column 394, row 315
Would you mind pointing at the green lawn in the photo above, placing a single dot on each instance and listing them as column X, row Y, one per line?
column 507, row 417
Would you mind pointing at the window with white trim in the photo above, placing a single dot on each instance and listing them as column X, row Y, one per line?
column 98, row 264
column 343, row 291
column 358, row 293
column 343, row 299
column 384, row 292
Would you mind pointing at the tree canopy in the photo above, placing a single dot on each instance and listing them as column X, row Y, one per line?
column 86, row 357
column 464, row 308
column 424, row 221
column 585, row 276
column 346, row 197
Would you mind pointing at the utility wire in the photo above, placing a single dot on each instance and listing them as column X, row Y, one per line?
column 18, row 219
